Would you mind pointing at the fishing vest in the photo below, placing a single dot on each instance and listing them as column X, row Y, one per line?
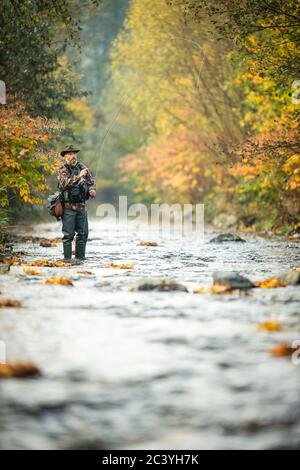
column 79, row 192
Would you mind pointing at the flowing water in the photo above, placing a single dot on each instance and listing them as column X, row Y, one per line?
column 160, row 370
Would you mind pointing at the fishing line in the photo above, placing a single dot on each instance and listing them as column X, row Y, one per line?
column 108, row 129
column 101, row 146
column 124, row 101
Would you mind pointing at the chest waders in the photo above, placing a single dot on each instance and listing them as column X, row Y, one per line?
column 75, row 221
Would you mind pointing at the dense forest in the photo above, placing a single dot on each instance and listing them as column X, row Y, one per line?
column 169, row 100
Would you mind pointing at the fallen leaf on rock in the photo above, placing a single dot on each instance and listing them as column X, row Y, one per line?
column 10, row 303
column 282, row 349
column 85, row 272
column 269, row 283
column 40, row 262
column 47, row 242
column 63, row 281
column 18, row 369
column 47, row 263
column 26, row 239
column 14, row 261
column 57, row 264
column 220, row 289
column 270, row 326
column 32, row 272
column 201, row 290
column 144, row 243
column 30, row 239
column 120, row 266
column 56, row 240
column 215, row 289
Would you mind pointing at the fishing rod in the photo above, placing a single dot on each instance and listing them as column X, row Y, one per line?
column 101, row 145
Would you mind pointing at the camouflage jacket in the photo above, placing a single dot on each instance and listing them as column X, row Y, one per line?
column 68, row 177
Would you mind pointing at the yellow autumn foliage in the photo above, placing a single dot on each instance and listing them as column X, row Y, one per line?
column 62, row 281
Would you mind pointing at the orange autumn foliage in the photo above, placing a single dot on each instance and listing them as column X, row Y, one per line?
column 179, row 168
column 32, row 272
column 269, row 284
column 48, row 263
column 10, row 303
column 215, row 289
column 270, row 325
column 18, row 369
column 24, row 160
column 282, row 349
column 13, row 261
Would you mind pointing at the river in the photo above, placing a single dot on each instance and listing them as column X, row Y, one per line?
column 152, row 370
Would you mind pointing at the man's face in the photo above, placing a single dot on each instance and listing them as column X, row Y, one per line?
column 70, row 158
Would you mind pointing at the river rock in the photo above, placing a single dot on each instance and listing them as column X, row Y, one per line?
column 226, row 237
column 294, row 234
column 162, row 285
column 291, row 278
column 102, row 284
column 232, row 280
column 4, row 268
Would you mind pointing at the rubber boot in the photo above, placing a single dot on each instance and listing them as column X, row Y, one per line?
column 67, row 251
column 80, row 250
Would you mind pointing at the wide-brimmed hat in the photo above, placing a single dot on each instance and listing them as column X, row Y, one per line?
column 69, row 148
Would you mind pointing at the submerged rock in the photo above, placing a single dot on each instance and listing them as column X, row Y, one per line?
column 226, row 237
column 102, row 284
column 232, row 280
column 291, row 278
column 163, row 285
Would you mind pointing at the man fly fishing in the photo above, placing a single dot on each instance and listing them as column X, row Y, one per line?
column 76, row 185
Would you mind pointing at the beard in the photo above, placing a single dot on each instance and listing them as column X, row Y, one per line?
column 73, row 161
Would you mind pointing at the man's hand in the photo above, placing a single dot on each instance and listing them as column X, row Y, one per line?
column 83, row 173
column 92, row 193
